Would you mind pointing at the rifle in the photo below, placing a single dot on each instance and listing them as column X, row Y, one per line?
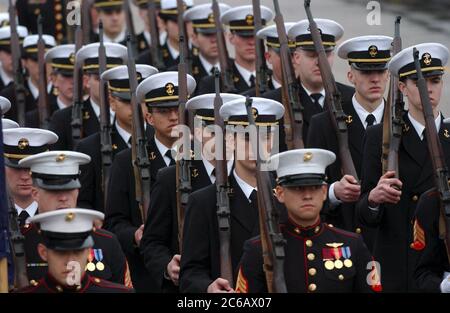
column 392, row 119
column 19, row 85
column 272, row 240
column 184, row 45
column 440, row 169
column 43, row 107
column 290, row 89
column 222, row 188
column 183, row 165
column 77, row 106
column 141, row 163
column 85, row 22
column 155, row 45
column 262, row 71
column 333, row 98
column 130, row 27
column 226, row 67
column 105, row 126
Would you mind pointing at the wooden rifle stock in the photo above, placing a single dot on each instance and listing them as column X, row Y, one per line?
column 43, row 107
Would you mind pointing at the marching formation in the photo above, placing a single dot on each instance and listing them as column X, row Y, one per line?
column 155, row 162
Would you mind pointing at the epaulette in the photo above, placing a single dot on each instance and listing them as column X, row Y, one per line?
column 107, row 284
column 341, row 231
column 102, row 232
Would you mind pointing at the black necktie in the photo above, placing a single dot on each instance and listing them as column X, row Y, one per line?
column 424, row 135
column 130, row 140
column 23, row 217
column 370, row 119
column 252, row 81
column 254, row 199
column 316, row 97
column 213, row 70
column 169, row 155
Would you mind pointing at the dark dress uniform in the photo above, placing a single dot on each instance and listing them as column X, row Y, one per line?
column 322, row 135
column 122, row 214
column 91, row 195
column 3, row 85
column 9, row 93
column 61, row 120
column 200, row 264
column 145, row 57
column 395, row 222
column 433, row 261
column 89, row 284
column 319, row 258
column 106, row 250
column 32, row 117
column 309, row 108
column 142, row 44
column 207, row 85
column 160, row 240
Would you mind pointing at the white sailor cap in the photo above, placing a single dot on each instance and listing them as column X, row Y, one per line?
column 203, row 105
column 169, row 8
column 56, row 170
column 116, row 54
column 433, row 58
column 266, row 112
column 119, row 82
column 330, row 30
column 19, row 143
column 4, row 19
column 367, row 53
column 107, row 5
column 301, row 167
column 5, row 105
column 202, row 17
column 62, row 58
column 67, row 229
column 161, row 90
column 270, row 35
column 241, row 20
column 7, row 123
column 5, row 36
column 30, row 47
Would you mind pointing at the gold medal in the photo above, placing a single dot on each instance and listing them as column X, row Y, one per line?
column 100, row 266
column 329, row 265
column 90, row 267
column 348, row 263
column 338, row 264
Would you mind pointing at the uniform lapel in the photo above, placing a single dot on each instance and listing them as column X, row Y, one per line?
column 241, row 209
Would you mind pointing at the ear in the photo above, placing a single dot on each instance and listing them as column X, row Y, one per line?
column 194, row 39
column 112, row 103
column 85, row 81
column 279, row 193
column 231, row 38
column 351, row 76
column 268, row 57
column 42, row 251
column 402, row 88
column 35, row 194
column 325, row 191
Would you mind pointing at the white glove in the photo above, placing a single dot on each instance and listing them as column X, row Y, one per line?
column 445, row 285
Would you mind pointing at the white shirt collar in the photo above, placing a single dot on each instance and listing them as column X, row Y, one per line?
column 5, row 78
column 362, row 113
column 419, row 127
column 60, row 104
column 162, row 37
column 275, row 83
column 246, row 188
column 119, row 38
column 124, row 134
column 245, row 73
column 162, row 150
column 206, row 65
column 33, row 89
column 31, row 209
column 173, row 52
column 96, row 109
column 322, row 92
column 147, row 37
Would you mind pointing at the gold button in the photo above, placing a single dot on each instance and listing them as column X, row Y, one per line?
column 312, row 287
column 330, row 225
column 58, row 7
column 312, row 271
column 33, row 282
column 415, row 198
column 309, row 243
column 58, row 26
column 341, row 277
column 59, row 37
column 311, row 256
column 59, row 288
column 78, row 288
column 358, row 230
column 297, row 230
column 316, row 230
column 58, row 17
column 97, row 280
column 27, row 225
column 37, row 11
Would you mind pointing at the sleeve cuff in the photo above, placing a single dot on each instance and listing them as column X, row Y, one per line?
column 334, row 201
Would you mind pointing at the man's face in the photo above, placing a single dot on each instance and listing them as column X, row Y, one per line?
column 245, row 151
column 172, row 30
column 33, row 68
column 244, row 47
column 19, row 181
column 274, row 59
column 303, row 202
column 59, row 263
column 50, row 200
column 306, row 64
column 370, row 85
column 207, row 44
column 93, row 83
column 6, row 60
column 113, row 20
column 123, row 110
column 65, row 86
column 410, row 90
column 163, row 120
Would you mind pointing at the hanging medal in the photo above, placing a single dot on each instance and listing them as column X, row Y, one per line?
column 99, row 256
column 90, row 266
